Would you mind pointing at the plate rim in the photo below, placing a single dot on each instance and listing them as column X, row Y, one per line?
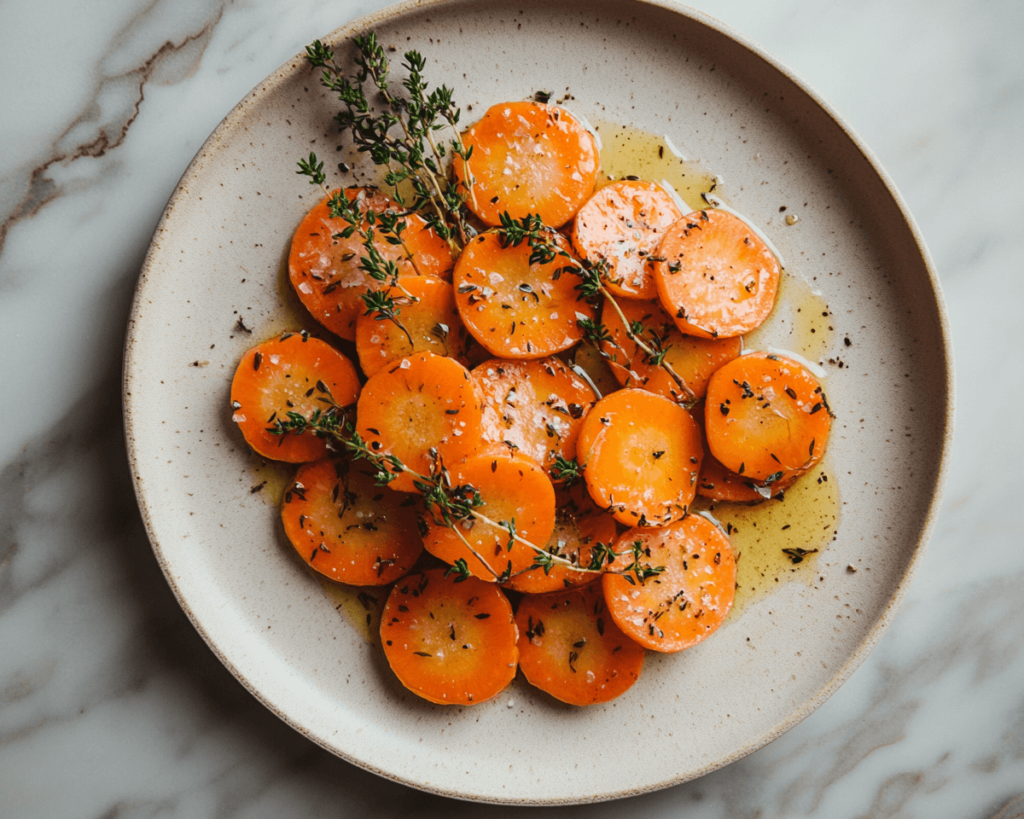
column 870, row 639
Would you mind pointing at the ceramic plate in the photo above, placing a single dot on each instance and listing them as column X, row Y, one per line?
column 217, row 257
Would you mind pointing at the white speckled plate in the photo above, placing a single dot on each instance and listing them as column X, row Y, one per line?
column 217, row 255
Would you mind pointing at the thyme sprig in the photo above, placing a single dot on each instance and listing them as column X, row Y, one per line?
column 592, row 275
column 411, row 152
column 451, row 505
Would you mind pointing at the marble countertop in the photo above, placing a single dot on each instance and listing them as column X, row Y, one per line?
column 110, row 702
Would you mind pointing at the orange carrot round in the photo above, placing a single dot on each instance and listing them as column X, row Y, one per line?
column 570, row 647
column 419, row 405
column 513, row 308
column 324, row 267
column 514, row 491
column 426, row 313
column 719, row 484
column 346, row 527
column 535, row 407
column 451, row 642
column 693, row 359
column 292, row 373
column 623, row 224
column 767, row 417
column 685, row 602
column 641, row 455
column 718, row 278
column 579, row 526
column 528, row 157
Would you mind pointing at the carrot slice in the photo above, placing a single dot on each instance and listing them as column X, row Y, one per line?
column 292, row 373
column 451, row 642
column 767, row 417
column 422, row 403
column 528, row 157
column 718, row 278
column 579, row 526
column 641, row 455
column 536, row 407
column 426, row 313
column 693, row 359
column 570, row 647
column 324, row 267
column 689, row 599
column 623, row 224
column 513, row 308
column 347, row 528
column 514, row 489
column 719, row 484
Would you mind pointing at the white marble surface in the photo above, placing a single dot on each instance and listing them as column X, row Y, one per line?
column 111, row 704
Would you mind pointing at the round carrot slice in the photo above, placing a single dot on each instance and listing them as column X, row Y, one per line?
column 623, row 224
column 450, row 641
column 719, row 484
column 535, row 407
column 324, row 267
column 689, row 599
column 641, row 455
column 570, row 647
column 292, row 373
column 427, row 321
column 692, row 359
column 528, row 157
column 418, row 405
column 579, row 527
column 513, row 308
column 767, row 417
column 515, row 492
column 718, row 278
column 346, row 527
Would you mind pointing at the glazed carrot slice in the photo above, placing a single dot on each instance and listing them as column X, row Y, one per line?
column 324, row 267
column 513, row 308
column 421, row 403
column 426, row 314
column 514, row 490
column 570, row 647
column 451, row 642
column 641, row 454
column 292, row 373
column 719, row 484
column 767, row 417
column 579, row 526
column 528, row 157
column 693, row 359
column 535, row 407
column 718, row 278
column 689, row 599
column 623, row 224
column 346, row 527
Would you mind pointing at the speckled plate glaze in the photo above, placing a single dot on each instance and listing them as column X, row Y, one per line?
column 218, row 254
